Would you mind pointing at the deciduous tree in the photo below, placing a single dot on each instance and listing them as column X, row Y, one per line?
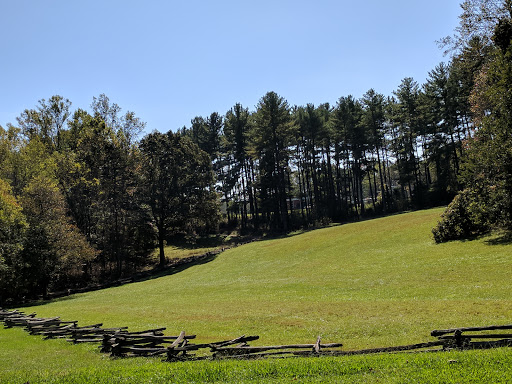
column 178, row 185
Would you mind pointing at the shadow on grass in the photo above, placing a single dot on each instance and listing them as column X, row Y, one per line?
column 190, row 243
column 218, row 241
column 179, row 267
column 170, row 269
column 175, row 266
column 499, row 238
column 504, row 238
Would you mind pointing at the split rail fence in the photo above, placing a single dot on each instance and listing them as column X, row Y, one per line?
column 119, row 342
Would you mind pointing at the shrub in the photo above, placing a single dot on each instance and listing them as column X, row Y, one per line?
column 461, row 220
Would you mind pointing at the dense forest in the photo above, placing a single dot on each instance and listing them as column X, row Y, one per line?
column 85, row 196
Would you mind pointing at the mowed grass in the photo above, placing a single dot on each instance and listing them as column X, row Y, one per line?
column 173, row 252
column 374, row 283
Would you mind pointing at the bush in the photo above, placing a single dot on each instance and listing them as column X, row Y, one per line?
column 461, row 220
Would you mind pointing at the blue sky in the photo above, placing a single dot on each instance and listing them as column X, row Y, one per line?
column 169, row 61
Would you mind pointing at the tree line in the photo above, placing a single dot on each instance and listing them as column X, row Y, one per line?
column 281, row 167
column 84, row 198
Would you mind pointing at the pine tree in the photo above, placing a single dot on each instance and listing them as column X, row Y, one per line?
column 271, row 138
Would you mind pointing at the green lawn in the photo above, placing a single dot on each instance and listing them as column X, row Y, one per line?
column 374, row 283
column 173, row 252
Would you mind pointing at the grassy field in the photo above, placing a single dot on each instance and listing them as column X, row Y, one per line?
column 374, row 283
column 181, row 248
column 173, row 252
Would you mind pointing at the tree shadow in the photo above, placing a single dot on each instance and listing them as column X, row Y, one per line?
column 179, row 267
column 170, row 269
column 504, row 238
column 221, row 240
column 173, row 267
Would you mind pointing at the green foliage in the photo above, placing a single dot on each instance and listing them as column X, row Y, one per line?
column 40, row 250
column 54, row 250
column 270, row 141
column 240, row 166
column 503, row 34
column 351, row 144
column 100, row 174
column 13, row 226
column 11, row 217
column 310, row 126
column 406, row 119
column 178, row 186
column 463, row 219
column 236, row 131
column 46, row 122
column 487, row 170
column 127, row 127
column 206, row 133
column 441, row 110
column 488, row 164
column 21, row 160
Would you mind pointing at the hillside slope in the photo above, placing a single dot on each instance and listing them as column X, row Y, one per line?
column 372, row 283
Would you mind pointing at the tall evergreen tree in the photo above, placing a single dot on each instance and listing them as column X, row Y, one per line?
column 350, row 147
column 442, row 145
column 270, row 139
column 374, row 120
column 405, row 145
column 236, row 136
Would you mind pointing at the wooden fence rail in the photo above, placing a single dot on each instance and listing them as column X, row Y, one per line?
column 440, row 332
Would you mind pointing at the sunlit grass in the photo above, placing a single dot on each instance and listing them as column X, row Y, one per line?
column 173, row 252
column 180, row 248
column 374, row 283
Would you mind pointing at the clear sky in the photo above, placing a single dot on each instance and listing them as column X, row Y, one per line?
column 169, row 61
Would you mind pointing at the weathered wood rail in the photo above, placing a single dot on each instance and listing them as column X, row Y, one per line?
column 119, row 342
column 457, row 338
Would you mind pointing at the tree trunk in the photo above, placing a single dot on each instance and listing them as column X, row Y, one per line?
column 161, row 243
